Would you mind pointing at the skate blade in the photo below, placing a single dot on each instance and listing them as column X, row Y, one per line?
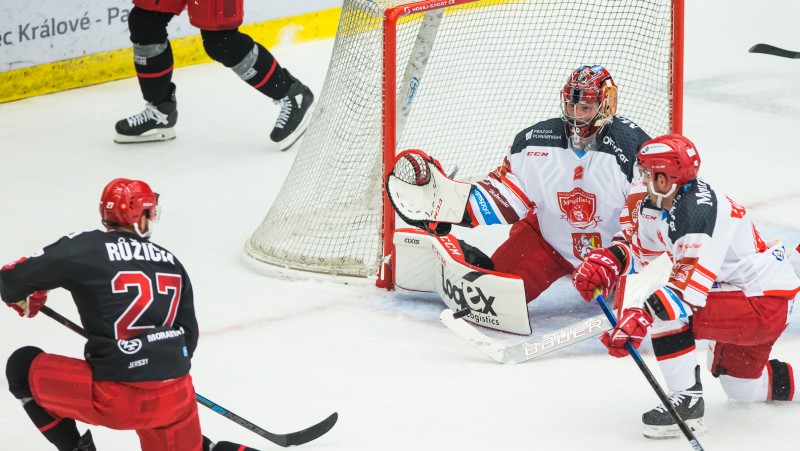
column 290, row 140
column 159, row 134
column 697, row 426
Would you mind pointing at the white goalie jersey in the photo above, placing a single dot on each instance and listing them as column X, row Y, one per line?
column 713, row 244
column 578, row 197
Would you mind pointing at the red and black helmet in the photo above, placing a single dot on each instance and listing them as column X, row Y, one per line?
column 672, row 155
column 587, row 85
column 124, row 201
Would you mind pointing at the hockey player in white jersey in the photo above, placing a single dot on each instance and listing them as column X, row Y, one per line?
column 563, row 185
column 727, row 286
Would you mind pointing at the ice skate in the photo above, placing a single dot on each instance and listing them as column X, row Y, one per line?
column 155, row 123
column 85, row 443
column 659, row 424
column 296, row 109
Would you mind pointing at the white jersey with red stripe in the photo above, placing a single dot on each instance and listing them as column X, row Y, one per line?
column 577, row 195
column 713, row 244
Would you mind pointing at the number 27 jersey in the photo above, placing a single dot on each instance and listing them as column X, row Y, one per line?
column 123, row 285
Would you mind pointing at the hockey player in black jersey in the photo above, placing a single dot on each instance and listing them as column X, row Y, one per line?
column 136, row 304
column 219, row 22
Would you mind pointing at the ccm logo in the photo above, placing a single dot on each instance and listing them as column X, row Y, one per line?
column 538, row 154
column 411, row 241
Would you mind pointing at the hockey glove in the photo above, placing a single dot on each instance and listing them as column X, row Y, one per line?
column 599, row 269
column 422, row 194
column 631, row 327
column 30, row 306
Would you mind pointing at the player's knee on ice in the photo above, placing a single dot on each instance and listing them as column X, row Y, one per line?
column 17, row 369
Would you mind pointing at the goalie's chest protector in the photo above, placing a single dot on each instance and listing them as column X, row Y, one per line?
column 578, row 198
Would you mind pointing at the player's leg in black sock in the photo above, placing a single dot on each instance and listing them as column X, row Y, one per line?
column 61, row 432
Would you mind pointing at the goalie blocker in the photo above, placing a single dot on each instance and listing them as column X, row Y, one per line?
column 436, row 263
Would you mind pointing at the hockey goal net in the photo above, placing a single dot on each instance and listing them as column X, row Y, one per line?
column 458, row 79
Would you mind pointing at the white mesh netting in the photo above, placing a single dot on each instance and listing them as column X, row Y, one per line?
column 495, row 67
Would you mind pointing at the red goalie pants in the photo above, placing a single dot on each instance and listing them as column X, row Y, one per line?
column 526, row 254
column 204, row 14
column 163, row 414
column 744, row 328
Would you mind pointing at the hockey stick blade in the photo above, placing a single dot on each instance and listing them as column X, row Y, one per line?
column 772, row 50
column 637, row 288
column 291, row 439
column 530, row 349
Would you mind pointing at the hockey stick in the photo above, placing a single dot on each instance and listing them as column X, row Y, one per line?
column 772, row 50
column 633, row 291
column 415, row 68
column 290, row 439
column 687, row 431
column 530, row 349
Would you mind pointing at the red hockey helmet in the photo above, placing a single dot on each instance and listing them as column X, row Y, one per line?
column 586, row 85
column 124, row 201
column 673, row 155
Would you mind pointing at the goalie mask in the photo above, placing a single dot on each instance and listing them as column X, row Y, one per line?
column 124, row 201
column 673, row 155
column 588, row 102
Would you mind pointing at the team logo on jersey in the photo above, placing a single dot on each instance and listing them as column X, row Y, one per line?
column 130, row 346
column 682, row 272
column 578, row 173
column 582, row 243
column 579, row 208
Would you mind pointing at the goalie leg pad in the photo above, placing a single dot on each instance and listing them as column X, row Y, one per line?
column 495, row 300
column 526, row 254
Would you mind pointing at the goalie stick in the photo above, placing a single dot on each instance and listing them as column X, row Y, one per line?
column 772, row 50
column 530, row 349
column 637, row 287
column 290, row 439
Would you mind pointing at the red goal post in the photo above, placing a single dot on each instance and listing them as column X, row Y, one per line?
column 458, row 79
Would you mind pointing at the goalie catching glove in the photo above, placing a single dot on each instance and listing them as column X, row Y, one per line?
column 423, row 195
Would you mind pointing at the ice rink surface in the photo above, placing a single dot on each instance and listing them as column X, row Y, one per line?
column 285, row 354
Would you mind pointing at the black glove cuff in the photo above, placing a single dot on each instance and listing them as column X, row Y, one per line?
column 621, row 255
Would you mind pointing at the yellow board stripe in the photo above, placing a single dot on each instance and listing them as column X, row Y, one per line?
column 118, row 64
